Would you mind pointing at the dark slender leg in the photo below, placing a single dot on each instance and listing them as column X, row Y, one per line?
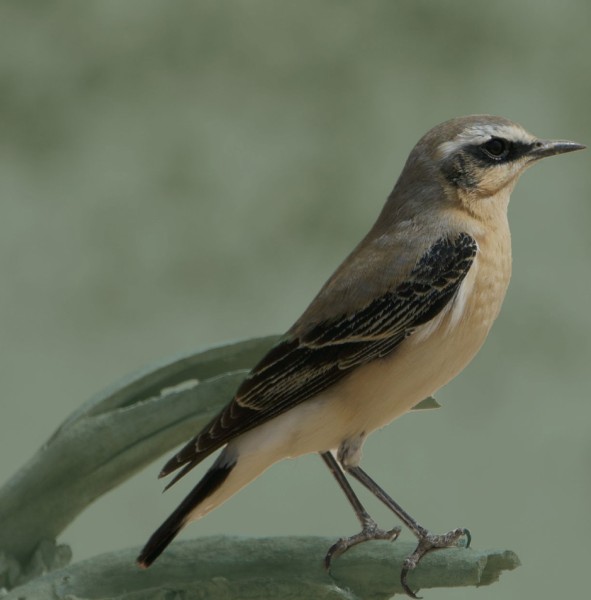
column 369, row 528
column 427, row 540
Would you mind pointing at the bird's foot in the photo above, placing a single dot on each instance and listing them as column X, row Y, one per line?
column 370, row 531
column 427, row 543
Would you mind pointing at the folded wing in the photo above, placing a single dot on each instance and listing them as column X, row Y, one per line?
column 300, row 367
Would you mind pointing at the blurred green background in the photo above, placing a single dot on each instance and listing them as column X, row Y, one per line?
column 175, row 174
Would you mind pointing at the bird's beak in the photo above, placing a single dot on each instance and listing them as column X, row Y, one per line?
column 543, row 148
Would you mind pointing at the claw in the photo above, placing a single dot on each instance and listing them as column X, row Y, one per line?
column 427, row 543
column 404, row 585
column 468, row 537
column 370, row 531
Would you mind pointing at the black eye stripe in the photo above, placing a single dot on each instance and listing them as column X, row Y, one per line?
column 483, row 155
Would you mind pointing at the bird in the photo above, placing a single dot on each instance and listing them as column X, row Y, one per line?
column 403, row 314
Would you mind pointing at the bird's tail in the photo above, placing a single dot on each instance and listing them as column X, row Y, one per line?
column 211, row 481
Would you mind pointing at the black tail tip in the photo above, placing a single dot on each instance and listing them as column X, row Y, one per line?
column 145, row 559
column 155, row 546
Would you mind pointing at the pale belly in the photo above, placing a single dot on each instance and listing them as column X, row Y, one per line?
column 426, row 361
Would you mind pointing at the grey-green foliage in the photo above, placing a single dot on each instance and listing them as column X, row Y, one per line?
column 114, row 435
column 47, row 556
column 121, row 430
column 265, row 569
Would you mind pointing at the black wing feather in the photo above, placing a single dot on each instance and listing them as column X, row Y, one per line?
column 298, row 369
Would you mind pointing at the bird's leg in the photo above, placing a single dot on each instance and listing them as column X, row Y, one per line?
column 369, row 528
column 427, row 540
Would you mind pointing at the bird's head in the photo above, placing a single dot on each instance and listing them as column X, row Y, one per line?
column 480, row 157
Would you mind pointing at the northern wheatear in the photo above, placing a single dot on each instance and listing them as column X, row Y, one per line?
column 403, row 314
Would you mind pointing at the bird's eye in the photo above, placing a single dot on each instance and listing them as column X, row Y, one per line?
column 496, row 148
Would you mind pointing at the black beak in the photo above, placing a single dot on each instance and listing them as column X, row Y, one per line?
column 543, row 148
